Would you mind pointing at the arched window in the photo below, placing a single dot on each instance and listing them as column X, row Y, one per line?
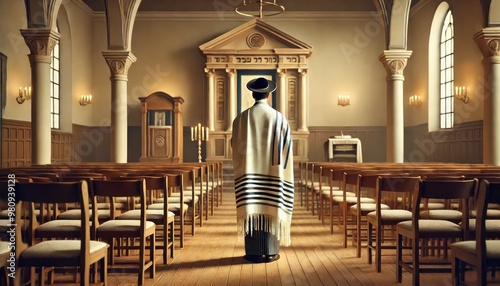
column 55, row 84
column 446, row 79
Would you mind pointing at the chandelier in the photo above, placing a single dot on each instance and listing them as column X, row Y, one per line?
column 259, row 8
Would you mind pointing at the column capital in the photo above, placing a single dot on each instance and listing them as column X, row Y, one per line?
column 209, row 72
column 119, row 61
column 231, row 72
column 395, row 61
column 41, row 42
column 281, row 72
column 488, row 40
column 302, row 72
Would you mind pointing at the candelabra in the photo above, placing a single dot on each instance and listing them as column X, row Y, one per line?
column 199, row 133
column 344, row 100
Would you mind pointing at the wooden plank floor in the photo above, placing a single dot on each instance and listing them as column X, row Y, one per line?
column 214, row 256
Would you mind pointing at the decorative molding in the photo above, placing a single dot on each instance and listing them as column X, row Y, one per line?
column 494, row 47
column 231, row 16
column 119, row 61
column 488, row 40
column 41, row 42
column 256, row 40
column 395, row 61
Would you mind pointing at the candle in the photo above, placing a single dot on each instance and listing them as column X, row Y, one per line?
column 192, row 133
column 206, row 135
column 202, row 133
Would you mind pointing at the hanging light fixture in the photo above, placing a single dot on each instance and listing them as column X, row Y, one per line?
column 259, row 8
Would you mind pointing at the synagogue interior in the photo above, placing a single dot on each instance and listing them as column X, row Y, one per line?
column 398, row 96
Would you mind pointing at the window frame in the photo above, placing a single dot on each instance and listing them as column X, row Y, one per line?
column 446, row 73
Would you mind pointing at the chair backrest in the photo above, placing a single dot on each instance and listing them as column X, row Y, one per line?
column 462, row 190
column 488, row 193
column 51, row 193
column 154, row 183
column 135, row 188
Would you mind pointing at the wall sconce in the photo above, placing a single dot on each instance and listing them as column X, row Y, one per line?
column 461, row 93
column 85, row 99
column 344, row 100
column 415, row 100
column 24, row 94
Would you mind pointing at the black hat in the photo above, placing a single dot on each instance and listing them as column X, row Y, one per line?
column 261, row 85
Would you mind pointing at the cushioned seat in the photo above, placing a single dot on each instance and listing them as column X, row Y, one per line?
column 61, row 252
column 446, row 214
column 75, row 214
column 151, row 214
column 59, row 228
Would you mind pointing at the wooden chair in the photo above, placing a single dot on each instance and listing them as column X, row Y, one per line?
column 339, row 195
column 70, row 213
column 80, row 253
column 420, row 230
column 160, row 217
column 179, row 208
column 481, row 252
column 115, row 229
column 349, row 205
column 4, row 263
column 391, row 207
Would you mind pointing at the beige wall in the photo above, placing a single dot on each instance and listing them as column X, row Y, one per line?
column 468, row 67
column 75, row 22
column 168, row 60
column 13, row 18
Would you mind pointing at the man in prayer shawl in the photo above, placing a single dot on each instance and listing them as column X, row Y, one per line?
column 263, row 172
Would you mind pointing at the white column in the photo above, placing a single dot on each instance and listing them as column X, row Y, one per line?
column 395, row 61
column 489, row 43
column 211, row 98
column 40, row 42
column 303, row 100
column 282, row 95
column 119, row 62
column 232, row 101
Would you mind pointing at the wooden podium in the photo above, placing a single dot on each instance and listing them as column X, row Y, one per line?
column 161, row 130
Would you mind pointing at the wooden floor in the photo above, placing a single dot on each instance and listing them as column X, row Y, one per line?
column 214, row 256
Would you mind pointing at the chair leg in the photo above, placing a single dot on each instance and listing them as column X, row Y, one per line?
column 104, row 271
column 152, row 248
column 85, row 275
column 165, row 243
column 378, row 248
column 416, row 262
column 455, row 271
column 142, row 261
column 399, row 258
column 369, row 242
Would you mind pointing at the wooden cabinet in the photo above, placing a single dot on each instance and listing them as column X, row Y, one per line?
column 161, row 128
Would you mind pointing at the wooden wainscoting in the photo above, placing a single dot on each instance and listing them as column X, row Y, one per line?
column 16, row 144
column 373, row 141
column 463, row 144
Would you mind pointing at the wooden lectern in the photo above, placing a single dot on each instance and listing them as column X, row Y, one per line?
column 161, row 128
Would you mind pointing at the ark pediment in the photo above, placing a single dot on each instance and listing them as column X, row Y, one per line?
column 256, row 37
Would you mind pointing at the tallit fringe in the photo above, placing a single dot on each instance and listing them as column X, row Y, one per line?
column 267, row 223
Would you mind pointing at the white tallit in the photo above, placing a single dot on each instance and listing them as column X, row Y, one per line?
column 263, row 171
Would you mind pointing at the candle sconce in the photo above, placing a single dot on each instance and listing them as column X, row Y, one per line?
column 199, row 133
column 24, row 94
